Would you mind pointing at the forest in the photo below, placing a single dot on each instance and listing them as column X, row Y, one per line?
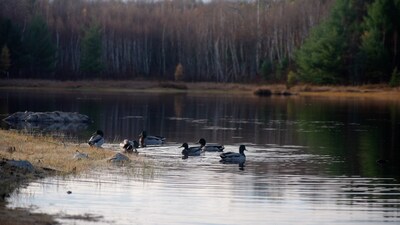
column 312, row 41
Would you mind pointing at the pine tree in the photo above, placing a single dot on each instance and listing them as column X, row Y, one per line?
column 320, row 58
column 395, row 78
column 329, row 55
column 266, row 69
column 5, row 61
column 39, row 49
column 91, row 55
column 10, row 36
column 380, row 40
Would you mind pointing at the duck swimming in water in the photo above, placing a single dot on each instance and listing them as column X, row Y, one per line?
column 97, row 139
column 210, row 147
column 192, row 151
column 233, row 157
column 145, row 140
column 129, row 146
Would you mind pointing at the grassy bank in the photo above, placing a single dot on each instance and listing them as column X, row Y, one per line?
column 127, row 86
column 373, row 91
column 49, row 156
column 49, row 153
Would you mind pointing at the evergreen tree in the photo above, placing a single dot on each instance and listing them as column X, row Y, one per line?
column 10, row 36
column 329, row 55
column 5, row 62
column 380, row 40
column 266, row 69
column 39, row 50
column 91, row 51
column 395, row 79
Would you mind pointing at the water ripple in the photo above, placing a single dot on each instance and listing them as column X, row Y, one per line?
column 279, row 184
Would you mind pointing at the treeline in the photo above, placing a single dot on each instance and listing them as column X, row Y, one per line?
column 313, row 41
column 220, row 41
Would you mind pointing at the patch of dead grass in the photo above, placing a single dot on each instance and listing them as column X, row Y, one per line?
column 51, row 153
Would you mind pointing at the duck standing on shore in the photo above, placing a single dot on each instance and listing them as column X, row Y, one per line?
column 145, row 140
column 233, row 157
column 129, row 146
column 192, row 151
column 97, row 139
column 210, row 147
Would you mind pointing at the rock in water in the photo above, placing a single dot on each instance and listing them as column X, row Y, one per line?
column 56, row 116
column 21, row 164
column 119, row 157
column 80, row 155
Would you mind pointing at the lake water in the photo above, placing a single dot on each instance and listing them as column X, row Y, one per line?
column 310, row 160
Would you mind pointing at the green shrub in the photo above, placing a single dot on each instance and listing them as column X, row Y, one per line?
column 291, row 79
column 395, row 79
column 266, row 70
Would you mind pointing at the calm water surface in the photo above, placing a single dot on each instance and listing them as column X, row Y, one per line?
column 310, row 160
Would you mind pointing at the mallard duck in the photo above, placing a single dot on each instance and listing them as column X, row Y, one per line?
column 97, row 139
column 145, row 140
column 233, row 157
column 210, row 148
column 192, row 151
column 129, row 146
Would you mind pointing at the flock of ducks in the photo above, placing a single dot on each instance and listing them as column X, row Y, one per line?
column 131, row 146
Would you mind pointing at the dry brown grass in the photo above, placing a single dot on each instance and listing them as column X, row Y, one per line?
column 376, row 90
column 48, row 152
column 127, row 86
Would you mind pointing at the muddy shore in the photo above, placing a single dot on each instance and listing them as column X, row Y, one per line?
column 12, row 178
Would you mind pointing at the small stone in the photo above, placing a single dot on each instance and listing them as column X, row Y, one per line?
column 69, row 192
column 118, row 158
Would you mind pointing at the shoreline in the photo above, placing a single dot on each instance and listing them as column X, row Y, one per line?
column 379, row 91
column 49, row 157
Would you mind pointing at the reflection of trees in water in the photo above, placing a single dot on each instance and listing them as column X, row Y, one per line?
column 359, row 131
column 179, row 104
column 181, row 117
